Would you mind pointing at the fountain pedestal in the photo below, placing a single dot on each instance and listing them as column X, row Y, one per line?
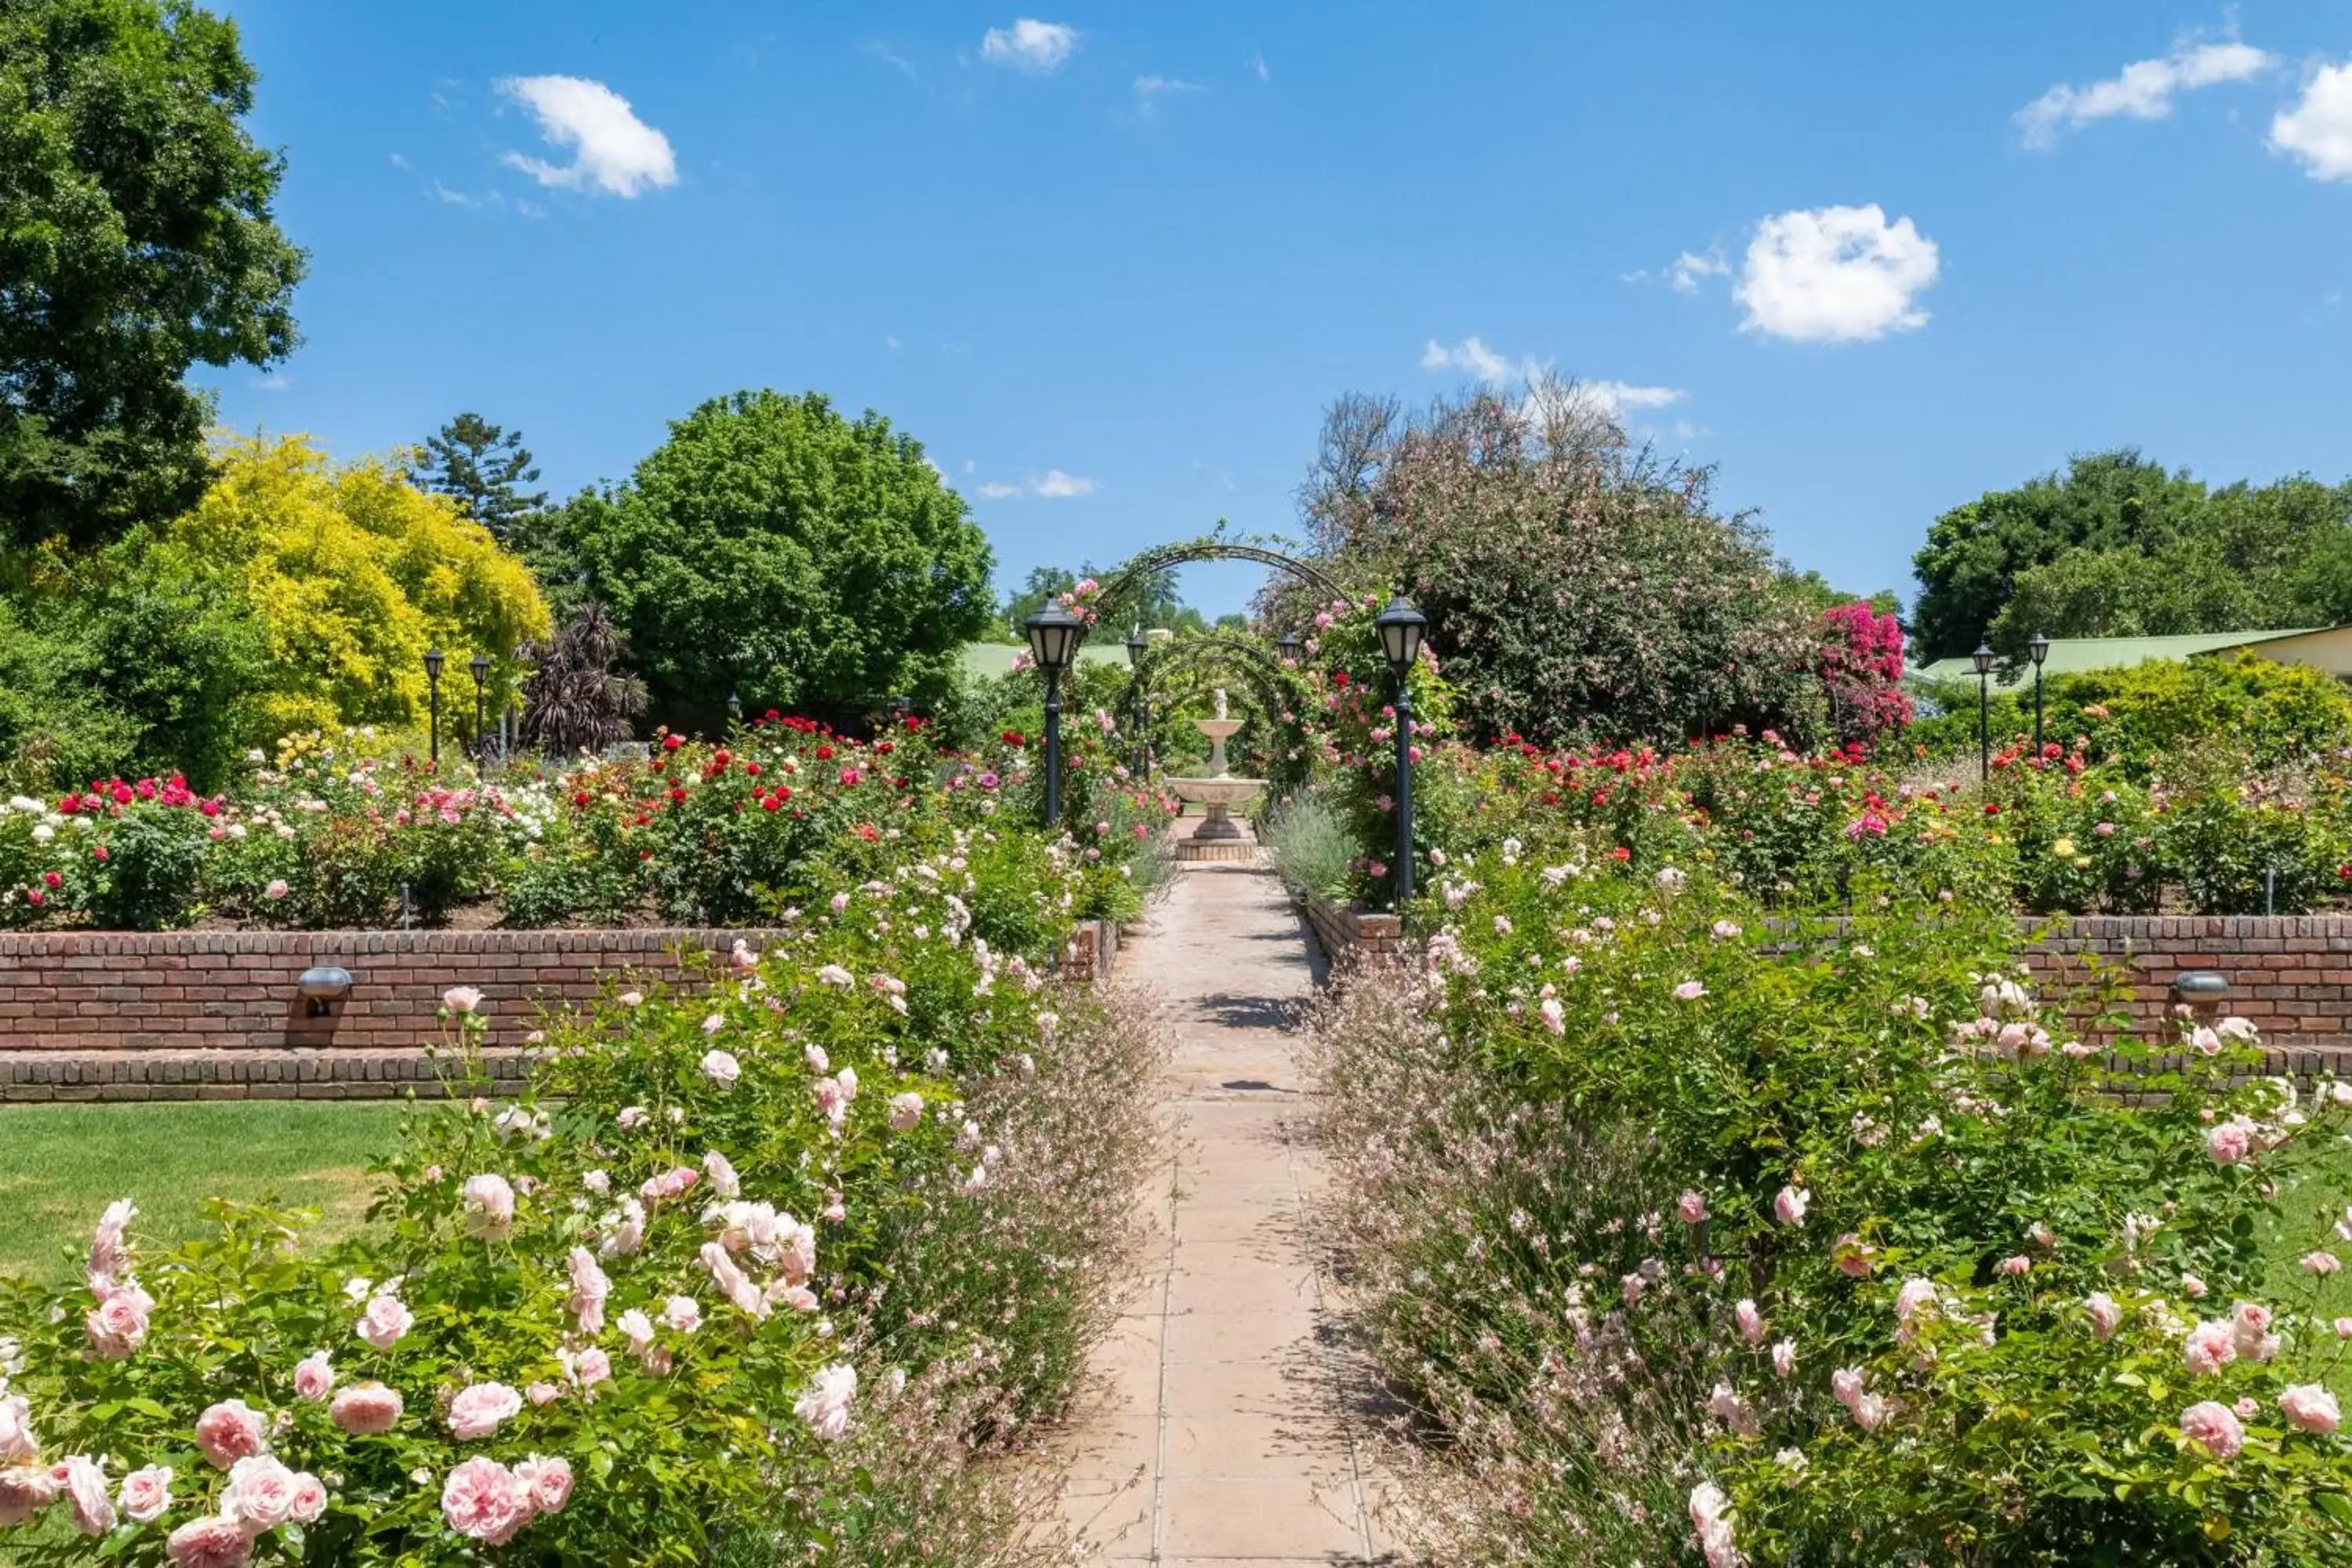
column 1219, row 837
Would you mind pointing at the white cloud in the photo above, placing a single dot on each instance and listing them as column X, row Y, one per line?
column 1473, row 355
column 2318, row 129
column 1618, row 396
column 1613, row 399
column 617, row 153
column 1058, row 484
column 1690, row 269
column 2142, row 91
column 1257, row 63
column 1030, row 45
column 1149, row 86
column 1000, row 492
column 398, row 161
column 1835, row 274
column 889, row 340
column 276, row 380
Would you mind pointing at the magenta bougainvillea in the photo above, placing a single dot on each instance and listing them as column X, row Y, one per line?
column 1862, row 665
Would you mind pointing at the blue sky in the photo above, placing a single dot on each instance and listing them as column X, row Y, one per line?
column 1109, row 262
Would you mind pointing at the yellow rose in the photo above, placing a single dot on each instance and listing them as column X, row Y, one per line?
column 2064, row 849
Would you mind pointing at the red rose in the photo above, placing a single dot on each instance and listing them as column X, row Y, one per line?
column 824, row 753
column 53, row 879
column 581, row 798
column 671, row 742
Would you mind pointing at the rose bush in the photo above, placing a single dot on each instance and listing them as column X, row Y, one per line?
column 1700, row 1233
column 744, row 1274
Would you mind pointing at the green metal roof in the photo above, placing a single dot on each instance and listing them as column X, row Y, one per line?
column 2070, row 655
column 982, row 659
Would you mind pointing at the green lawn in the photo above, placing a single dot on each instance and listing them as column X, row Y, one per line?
column 60, row 1165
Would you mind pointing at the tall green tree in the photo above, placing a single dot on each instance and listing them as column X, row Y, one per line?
column 772, row 548
column 483, row 469
column 2117, row 546
column 136, row 240
column 1043, row 582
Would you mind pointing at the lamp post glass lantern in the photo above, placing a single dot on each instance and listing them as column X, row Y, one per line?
column 1982, row 659
column 1138, row 644
column 1289, row 648
column 2037, row 648
column 1400, row 627
column 480, row 668
column 1054, row 635
column 432, row 698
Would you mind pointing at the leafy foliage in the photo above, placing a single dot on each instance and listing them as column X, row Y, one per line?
column 353, row 573
column 579, row 698
column 1651, row 617
column 772, row 548
column 136, row 240
column 483, row 469
column 2117, row 546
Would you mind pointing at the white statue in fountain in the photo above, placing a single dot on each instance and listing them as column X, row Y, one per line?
column 1220, row 792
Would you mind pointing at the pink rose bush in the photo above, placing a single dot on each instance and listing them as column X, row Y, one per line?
column 664, row 1304
column 1849, row 1254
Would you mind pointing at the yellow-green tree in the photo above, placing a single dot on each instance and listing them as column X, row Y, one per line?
column 353, row 573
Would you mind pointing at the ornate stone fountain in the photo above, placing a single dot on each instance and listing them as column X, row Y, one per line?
column 1218, row 793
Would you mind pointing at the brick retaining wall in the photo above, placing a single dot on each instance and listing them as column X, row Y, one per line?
column 2291, row 975
column 214, row 1014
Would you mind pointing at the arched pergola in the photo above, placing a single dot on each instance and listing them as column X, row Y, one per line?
column 1280, row 690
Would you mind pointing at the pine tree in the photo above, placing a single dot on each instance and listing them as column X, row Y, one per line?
column 482, row 467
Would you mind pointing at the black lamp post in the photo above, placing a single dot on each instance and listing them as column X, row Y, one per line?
column 2037, row 648
column 479, row 666
column 433, row 697
column 1289, row 646
column 734, row 710
column 1400, row 627
column 1982, row 659
column 1054, row 635
column 1137, row 646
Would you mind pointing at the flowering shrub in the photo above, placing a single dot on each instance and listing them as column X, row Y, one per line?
column 742, row 1275
column 1862, row 665
column 1696, row 1234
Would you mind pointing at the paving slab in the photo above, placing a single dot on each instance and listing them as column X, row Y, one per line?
column 1224, row 1422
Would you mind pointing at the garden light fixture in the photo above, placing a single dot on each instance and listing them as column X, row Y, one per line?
column 1054, row 635
column 1982, row 659
column 480, row 666
column 1138, row 644
column 1289, row 648
column 322, row 987
column 734, row 708
column 432, row 692
column 1400, row 627
column 2037, row 648
column 2207, row 985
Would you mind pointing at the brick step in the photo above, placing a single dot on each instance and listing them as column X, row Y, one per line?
column 354, row 1072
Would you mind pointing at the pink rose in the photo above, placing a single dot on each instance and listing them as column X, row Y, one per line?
column 119, row 1322
column 1689, row 991
column 489, row 1206
column 1691, row 1207
column 591, row 1367
column 309, row 1498
column 825, row 1404
column 682, row 1313
column 590, row 1287
column 479, row 1407
column 2213, row 1427
column 16, row 1439
column 314, row 1376
column 906, row 1112
column 541, row 1393
column 229, row 1431
column 2321, row 1263
column 721, row 1172
column 483, row 1499
column 84, row 1490
column 366, row 1409
column 2209, row 1347
column 462, row 998
column 548, row 1480
column 2250, row 1326
column 1784, row 1357
column 110, row 1254
column 721, row 1067
column 25, row 1491
column 2310, row 1408
column 1789, row 1204
column 260, row 1492
column 1752, row 1321
column 146, row 1494
column 209, row 1543
column 2015, row 1265
column 638, row 1329
column 2231, row 1142
column 385, row 1322
column 2105, row 1315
